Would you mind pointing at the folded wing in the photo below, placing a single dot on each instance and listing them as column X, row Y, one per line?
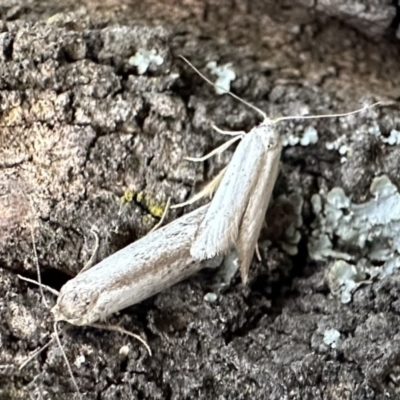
column 219, row 230
column 256, row 209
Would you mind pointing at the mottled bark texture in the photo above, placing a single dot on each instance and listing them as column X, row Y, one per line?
column 81, row 129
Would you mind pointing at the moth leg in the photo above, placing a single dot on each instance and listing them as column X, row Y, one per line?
column 218, row 150
column 89, row 264
column 258, row 255
column 230, row 133
column 115, row 328
column 209, row 190
column 161, row 221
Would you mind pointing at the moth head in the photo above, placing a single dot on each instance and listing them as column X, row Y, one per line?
column 76, row 307
column 269, row 134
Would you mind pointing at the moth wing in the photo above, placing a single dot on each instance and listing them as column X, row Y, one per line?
column 256, row 209
column 219, row 230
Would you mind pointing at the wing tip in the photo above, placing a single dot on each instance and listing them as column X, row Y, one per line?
column 199, row 251
column 207, row 246
column 244, row 274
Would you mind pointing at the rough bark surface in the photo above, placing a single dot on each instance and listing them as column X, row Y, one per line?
column 80, row 128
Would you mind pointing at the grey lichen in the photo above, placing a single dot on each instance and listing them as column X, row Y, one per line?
column 393, row 138
column 307, row 137
column 357, row 236
column 344, row 278
column 210, row 297
column 225, row 75
column 310, row 136
column 143, row 58
column 331, row 338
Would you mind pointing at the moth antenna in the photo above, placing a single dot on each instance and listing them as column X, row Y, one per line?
column 125, row 332
column 262, row 113
column 89, row 264
column 66, row 360
column 329, row 115
column 35, row 255
column 41, row 285
column 161, row 221
column 35, row 353
column 51, row 290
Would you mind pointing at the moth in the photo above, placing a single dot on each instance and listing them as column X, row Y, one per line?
column 242, row 191
column 138, row 271
column 146, row 267
column 236, row 213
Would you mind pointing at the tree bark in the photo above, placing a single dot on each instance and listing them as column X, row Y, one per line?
column 87, row 142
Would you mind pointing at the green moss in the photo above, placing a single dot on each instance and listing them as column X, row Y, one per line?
column 140, row 197
column 156, row 208
column 128, row 196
